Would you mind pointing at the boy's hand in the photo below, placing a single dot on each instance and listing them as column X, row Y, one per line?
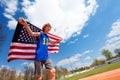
column 59, row 40
column 22, row 21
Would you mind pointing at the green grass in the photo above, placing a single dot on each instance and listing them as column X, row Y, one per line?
column 95, row 71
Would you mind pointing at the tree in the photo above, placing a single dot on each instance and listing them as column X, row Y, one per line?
column 97, row 62
column 118, row 52
column 61, row 72
column 12, row 74
column 28, row 72
column 4, row 73
column 108, row 55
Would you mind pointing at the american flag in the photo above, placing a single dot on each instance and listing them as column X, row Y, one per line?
column 23, row 46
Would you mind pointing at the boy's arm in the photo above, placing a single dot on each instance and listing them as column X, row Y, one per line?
column 57, row 41
column 24, row 23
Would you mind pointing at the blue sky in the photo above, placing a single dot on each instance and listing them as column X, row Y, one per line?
column 86, row 26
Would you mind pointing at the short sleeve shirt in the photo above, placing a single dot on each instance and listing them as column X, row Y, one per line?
column 42, row 47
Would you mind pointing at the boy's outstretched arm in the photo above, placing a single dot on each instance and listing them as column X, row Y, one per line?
column 55, row 42
column 24, row 23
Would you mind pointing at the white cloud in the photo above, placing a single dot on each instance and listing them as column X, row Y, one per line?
column 85, row 36
column 77, row 64
column 12, row 24
column 87, row 51
column 72, row 59
column 72, row 42
column 66, row 17
column 115, row 29
column 10, row 6
column 88, row 58
column 28, row 64
column 10, row 10
column 113, row 41
column 3, row 66
column 69, row 60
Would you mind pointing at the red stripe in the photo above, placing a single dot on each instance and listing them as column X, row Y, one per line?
column 20, row 53
column 53, row 49
column 10, row 59
column 53, row 45
column 21, row 47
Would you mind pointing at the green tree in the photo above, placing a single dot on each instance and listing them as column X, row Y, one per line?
column 108, row 55
column 97, row 62
column 117, row 51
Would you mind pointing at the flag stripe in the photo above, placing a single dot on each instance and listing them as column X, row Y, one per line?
column 20, row 57
column 53, row 48
column 21, row 50
column 21, row 53
column 22, row 44
column 20, row 47
column 52, row 52
column 51, row 35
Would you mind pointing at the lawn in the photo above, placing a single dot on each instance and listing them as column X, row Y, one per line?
column 95, row 71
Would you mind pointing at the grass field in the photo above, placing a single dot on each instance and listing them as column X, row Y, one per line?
column 95, row 71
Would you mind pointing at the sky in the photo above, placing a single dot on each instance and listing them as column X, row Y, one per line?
column 86, row 26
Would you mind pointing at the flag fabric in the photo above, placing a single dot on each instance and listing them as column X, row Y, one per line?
column 23, row 46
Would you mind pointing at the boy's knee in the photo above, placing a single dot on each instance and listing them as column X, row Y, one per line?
column 52, row 72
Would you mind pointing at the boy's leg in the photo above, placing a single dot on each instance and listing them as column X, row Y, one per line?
column 52, row 74
column 51, row 69
column 38, row 70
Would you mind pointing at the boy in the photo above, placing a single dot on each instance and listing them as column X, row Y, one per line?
column 42, row 57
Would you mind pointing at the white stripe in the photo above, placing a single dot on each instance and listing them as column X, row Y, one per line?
column 54, row 44
column 21, row 50
column 23, row 44
column 53, row 47
column 21, row 56
column 55, row 51
column 52, row 39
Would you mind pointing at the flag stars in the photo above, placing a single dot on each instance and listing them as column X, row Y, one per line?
column 25, row 37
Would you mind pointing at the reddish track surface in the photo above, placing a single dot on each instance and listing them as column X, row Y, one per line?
column 109, row 75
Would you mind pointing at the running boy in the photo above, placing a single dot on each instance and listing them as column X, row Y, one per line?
column 41, row 57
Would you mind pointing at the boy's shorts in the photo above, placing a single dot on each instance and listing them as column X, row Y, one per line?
column 39, row 65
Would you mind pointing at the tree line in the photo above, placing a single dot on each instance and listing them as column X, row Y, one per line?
column 28, row 73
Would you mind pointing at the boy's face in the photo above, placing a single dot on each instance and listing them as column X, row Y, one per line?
column 47, row 29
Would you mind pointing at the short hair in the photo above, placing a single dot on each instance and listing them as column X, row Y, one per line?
column 47, row 24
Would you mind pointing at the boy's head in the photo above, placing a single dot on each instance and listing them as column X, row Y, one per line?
column 46, row 28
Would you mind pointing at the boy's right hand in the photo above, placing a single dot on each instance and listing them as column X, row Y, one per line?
column 22, row 21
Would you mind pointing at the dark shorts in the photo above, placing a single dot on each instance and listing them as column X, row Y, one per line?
column 39, row 65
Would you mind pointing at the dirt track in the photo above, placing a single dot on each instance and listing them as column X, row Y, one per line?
column 110, row 75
